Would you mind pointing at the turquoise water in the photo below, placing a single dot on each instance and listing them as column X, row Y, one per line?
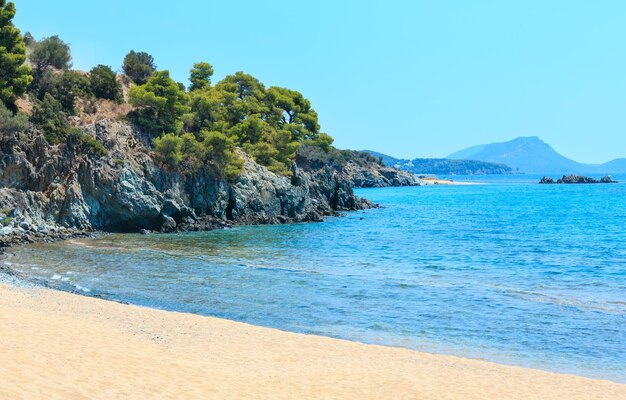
column 510, row 271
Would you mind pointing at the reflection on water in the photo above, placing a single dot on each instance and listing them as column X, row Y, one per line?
column 517, row 273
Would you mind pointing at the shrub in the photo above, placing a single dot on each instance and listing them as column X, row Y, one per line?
column 11, row 123
column 48, row 115
column 85, row 144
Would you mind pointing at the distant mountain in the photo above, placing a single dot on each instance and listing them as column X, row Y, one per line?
column 616, row 166
column 467, row 153
column 442, row 166
column 532, row 155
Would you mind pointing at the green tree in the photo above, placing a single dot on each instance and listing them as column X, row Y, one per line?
column 268, row 124
column 50, row 52
column 104, row 84
column 220, row 151
column 161, row 103
column 324, row 142
column 29, row 40
column 243, row 95
column 169, row 149
column 262, row 152
column 252, row 130
column 200, row 76
column 293, row 113
column 49, row 116
column 194, row 154
column 64, row 87
column 139, row 66
column 14, row 75
column 208, row 110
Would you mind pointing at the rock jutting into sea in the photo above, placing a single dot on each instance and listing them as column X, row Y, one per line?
column 56, row 191
column 573, row 178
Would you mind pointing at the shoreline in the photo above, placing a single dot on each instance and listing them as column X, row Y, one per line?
column 71, row 345
column 438, row 181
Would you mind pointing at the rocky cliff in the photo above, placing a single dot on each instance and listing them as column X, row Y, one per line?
column 48, row 189
column 359, row 167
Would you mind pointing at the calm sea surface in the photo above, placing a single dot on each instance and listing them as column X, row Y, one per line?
column 509, row 271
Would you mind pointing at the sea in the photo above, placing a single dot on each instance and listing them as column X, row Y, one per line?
column 505, row 270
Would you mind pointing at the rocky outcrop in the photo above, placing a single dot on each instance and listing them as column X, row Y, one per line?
column 358, row 167
column 375, row 175
column 62, row 188
column 576, row 179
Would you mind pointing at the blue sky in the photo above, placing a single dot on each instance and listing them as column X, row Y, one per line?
column 407, row 78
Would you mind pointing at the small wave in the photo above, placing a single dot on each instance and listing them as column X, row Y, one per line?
column 81, row 288
column 611, row 307
column 55, row 277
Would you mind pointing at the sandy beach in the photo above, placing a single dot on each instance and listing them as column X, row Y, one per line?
column 438, row 181
column 57, row 345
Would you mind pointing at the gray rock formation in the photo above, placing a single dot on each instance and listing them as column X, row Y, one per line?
column 379, row 176
column 358, row 167
column 61, row 188
column 569, row 179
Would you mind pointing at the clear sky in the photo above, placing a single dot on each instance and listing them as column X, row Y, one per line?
column 407, row 78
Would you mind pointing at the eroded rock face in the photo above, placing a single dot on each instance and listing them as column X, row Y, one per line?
column 59, row 187
column 379, row 176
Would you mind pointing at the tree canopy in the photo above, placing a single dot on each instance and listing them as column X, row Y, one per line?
column 50, row 52
column 104, row 84
column 161, row 104
column 200, row 75
column 269, row 124
column 139, row 66
column 14, row 75
column 64, row 87
column 201, row 128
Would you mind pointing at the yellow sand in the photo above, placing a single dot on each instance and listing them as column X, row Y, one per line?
column 437, row 181
column 56, row 345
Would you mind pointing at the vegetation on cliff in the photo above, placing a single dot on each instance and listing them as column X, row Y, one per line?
column 191, row 129
column 14, row 75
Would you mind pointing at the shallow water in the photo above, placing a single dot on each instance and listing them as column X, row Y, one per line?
column 510, row 271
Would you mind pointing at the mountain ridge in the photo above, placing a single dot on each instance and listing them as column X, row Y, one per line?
column 530, row 154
